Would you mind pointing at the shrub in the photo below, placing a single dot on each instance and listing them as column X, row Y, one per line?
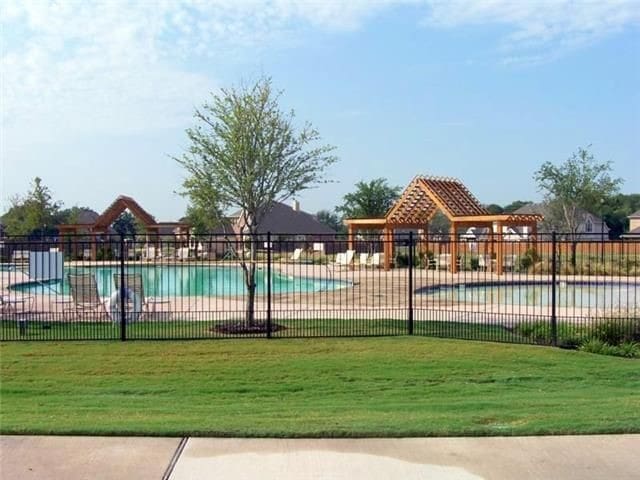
column 569, row 336
column 629, row 350
column 475, row 264
column 529, row 259
column 616, row 331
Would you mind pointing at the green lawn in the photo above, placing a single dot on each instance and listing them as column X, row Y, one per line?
column 395, row 386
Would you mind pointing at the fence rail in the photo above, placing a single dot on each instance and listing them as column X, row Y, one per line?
column 555, row 290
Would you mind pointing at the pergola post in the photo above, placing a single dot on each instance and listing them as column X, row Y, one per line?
column 350, row 237
column 500, row 253
column 388, row 247
column 454, row 248
column 94, row 246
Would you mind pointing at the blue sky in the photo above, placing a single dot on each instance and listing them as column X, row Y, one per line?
column 95, row 97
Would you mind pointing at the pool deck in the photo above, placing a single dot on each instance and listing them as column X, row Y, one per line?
column 372, row 292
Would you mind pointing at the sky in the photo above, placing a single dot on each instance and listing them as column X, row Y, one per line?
column 95, row 97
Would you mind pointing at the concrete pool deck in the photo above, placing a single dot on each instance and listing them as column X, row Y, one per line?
column 590, row 457
column 371, row 293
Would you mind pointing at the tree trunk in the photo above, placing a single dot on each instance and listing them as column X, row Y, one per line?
column 250, row 281
column 574, row 247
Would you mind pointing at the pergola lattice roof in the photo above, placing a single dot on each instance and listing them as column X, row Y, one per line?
column 420, row 201
column 425, row 195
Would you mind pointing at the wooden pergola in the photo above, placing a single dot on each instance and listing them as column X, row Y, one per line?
column 102, row 224
column 422, row 199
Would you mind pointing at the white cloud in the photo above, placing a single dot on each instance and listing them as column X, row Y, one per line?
column 75, row 67
column 542, row 29
column 72, row 67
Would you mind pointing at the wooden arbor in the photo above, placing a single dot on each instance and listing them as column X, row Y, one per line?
column 102, row 224
column 420, row 201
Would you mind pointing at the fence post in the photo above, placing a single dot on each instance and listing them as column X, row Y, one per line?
column 554, row 320
column 123, row 311
column 268, row 284
column 410, row 318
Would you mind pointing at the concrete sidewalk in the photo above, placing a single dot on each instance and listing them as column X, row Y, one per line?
column 565, row 457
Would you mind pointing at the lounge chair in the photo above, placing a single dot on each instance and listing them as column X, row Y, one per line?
column 364, row 260
column 85, row 296
column 16, row 304
column 510, row 262
column 344, row 259
column 133, row 281
column 20, row 256
column 148, row 253
column 183, row 253
column 377, row 260
column 295, row 256
column 486, row 263
column 443, row 261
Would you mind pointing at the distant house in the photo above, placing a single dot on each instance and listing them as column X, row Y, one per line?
column 591, row 228
column 634, row 226
column 288, row 223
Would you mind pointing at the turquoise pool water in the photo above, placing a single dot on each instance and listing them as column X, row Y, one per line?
column 186, row 280
column 568, row 294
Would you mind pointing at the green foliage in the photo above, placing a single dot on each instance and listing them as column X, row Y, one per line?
column 246, row 153
column 439, row 224
column 494, row 209
column 530, row 258
column 513, row 206
column 616, row 331
column 615, row 210
column 629, row 350
column 204, row 217
column 369, row 200
column 625, row 349
column 569, row 336
column 331, row 220
column 34, row 214
column 574, row 187
column 126, row 225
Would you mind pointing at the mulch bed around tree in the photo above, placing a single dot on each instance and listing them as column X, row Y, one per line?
column 242, row 328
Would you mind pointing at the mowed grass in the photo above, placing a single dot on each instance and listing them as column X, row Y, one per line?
column 394, row 386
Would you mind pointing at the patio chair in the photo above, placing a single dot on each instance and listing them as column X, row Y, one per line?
column 377, row 260
column 364, row 260
column 510, row 262
column 443, row 261
column 16, row 304
column 485, row 262
column 344, row 259
column 295, row 256
column 148, row 253
column 85, row 296
column 133, row 281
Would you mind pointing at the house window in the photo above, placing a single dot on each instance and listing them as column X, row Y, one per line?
column 588, row 226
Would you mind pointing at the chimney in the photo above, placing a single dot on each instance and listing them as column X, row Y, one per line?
column 295, row 205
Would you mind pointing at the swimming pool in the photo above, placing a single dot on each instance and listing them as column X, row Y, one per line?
column 568, row 294
column 185, row 280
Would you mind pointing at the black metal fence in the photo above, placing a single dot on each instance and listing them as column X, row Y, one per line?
column 557, row 289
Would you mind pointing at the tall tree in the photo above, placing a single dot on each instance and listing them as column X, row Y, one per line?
column 331, row 220
column 245, row 152
column 574, row 187
column 494, row 209
column 616, row 209
column 34, row 214
column 126, row 225
column 369, row 200
column 515, row 205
